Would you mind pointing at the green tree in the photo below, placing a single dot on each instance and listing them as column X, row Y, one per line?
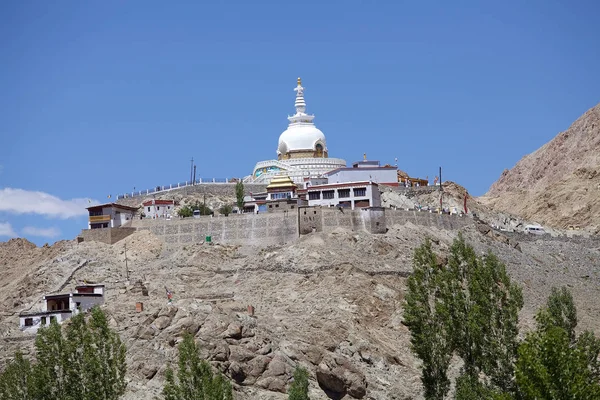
column 16, row 381
column 226, row 209
column 195, row 379
column 553, row 363
column 299, row 388
column 185, row 212
column 239, row 196
column 470, row 388
column 203, row 208
column 85, row 362
column 467, row 306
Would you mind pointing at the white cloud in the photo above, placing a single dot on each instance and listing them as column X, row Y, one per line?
column 42, row 232
column 19, row 201
column 7, row 230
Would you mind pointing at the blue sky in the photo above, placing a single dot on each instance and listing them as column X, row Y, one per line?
column 100, row 97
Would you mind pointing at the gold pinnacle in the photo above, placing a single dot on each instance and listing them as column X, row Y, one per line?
column 299, row 81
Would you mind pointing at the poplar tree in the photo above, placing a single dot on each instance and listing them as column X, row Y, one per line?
column 467, row 307
column 239, row 195
column 85, row 361
column 195, row 379
column 555, row 364
column 16, row 381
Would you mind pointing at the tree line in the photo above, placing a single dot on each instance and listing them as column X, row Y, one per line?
column 468, row 307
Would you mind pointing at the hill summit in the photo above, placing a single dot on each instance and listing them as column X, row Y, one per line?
column 559, row 184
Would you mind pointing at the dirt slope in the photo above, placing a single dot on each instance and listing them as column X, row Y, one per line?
column 332, row 303
column 559, row 184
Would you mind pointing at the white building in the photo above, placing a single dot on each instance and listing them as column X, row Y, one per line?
column 110, row 215
column 347, row 195
column 60, row 307
column 365, row 171
column 158, row 208
column 301, row 152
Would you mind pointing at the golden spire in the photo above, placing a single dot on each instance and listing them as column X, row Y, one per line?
column 299, row 81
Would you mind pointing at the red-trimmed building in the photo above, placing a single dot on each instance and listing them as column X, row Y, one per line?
column 158, row 208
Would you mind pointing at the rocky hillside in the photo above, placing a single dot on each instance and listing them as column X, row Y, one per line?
column 559, row 184
column 332, row 303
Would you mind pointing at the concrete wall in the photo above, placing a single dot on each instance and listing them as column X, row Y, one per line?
column 86, row 302
column 106, row 235
column 284, row 227
column 253, row 229
column 377, row 175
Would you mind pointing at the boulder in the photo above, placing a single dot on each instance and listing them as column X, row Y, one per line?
column 234, row 331
column 336, row 375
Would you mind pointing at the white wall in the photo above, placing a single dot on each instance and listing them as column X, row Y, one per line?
column 37, row 320
column 158, row 210
column 371, row 194
column 376, row 175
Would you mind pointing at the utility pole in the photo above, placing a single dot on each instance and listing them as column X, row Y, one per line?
column 441, row 193
column 192, row 169
column 126, row 267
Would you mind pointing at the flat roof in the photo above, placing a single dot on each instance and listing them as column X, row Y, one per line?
column 90, row 285
column 55, row 296
column 40, row 313
column 115, row 205
column 337, row 185
column 358, row 169
column 88, row 295
column 159, row 202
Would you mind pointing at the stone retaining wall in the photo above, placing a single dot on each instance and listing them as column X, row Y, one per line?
column 249, row 229
column 106, row 235
column 283, row 227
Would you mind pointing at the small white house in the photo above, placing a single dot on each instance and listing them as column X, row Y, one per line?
column 158, row 208
column 348, row 195
column 110, row 215
column 60, row 307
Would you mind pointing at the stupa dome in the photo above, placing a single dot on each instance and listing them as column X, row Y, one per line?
column 302, row 136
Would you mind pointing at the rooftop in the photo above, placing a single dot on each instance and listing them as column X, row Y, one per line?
column 113, row 205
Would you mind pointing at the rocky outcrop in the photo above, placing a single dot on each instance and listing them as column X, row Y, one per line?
column 558, row 185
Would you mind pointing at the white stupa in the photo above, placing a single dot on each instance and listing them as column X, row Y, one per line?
column 302, row 150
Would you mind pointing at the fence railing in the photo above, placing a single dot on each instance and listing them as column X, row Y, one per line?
column 178, row 185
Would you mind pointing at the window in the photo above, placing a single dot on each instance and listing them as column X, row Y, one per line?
column 328, row 194
column 95, row 213
column 168, row 207
column 52, row 319
column 148, row 209
column 158, row 207
column 43, row 320
column 344, row 193
column 360, row 192
column 270, row 205
column 314, row 195
column 28, row 321
column 276, row 205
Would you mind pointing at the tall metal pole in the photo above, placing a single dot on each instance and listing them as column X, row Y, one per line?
column 126, row 267
column 194, row 181
column 441, row 192
column 192, row 169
